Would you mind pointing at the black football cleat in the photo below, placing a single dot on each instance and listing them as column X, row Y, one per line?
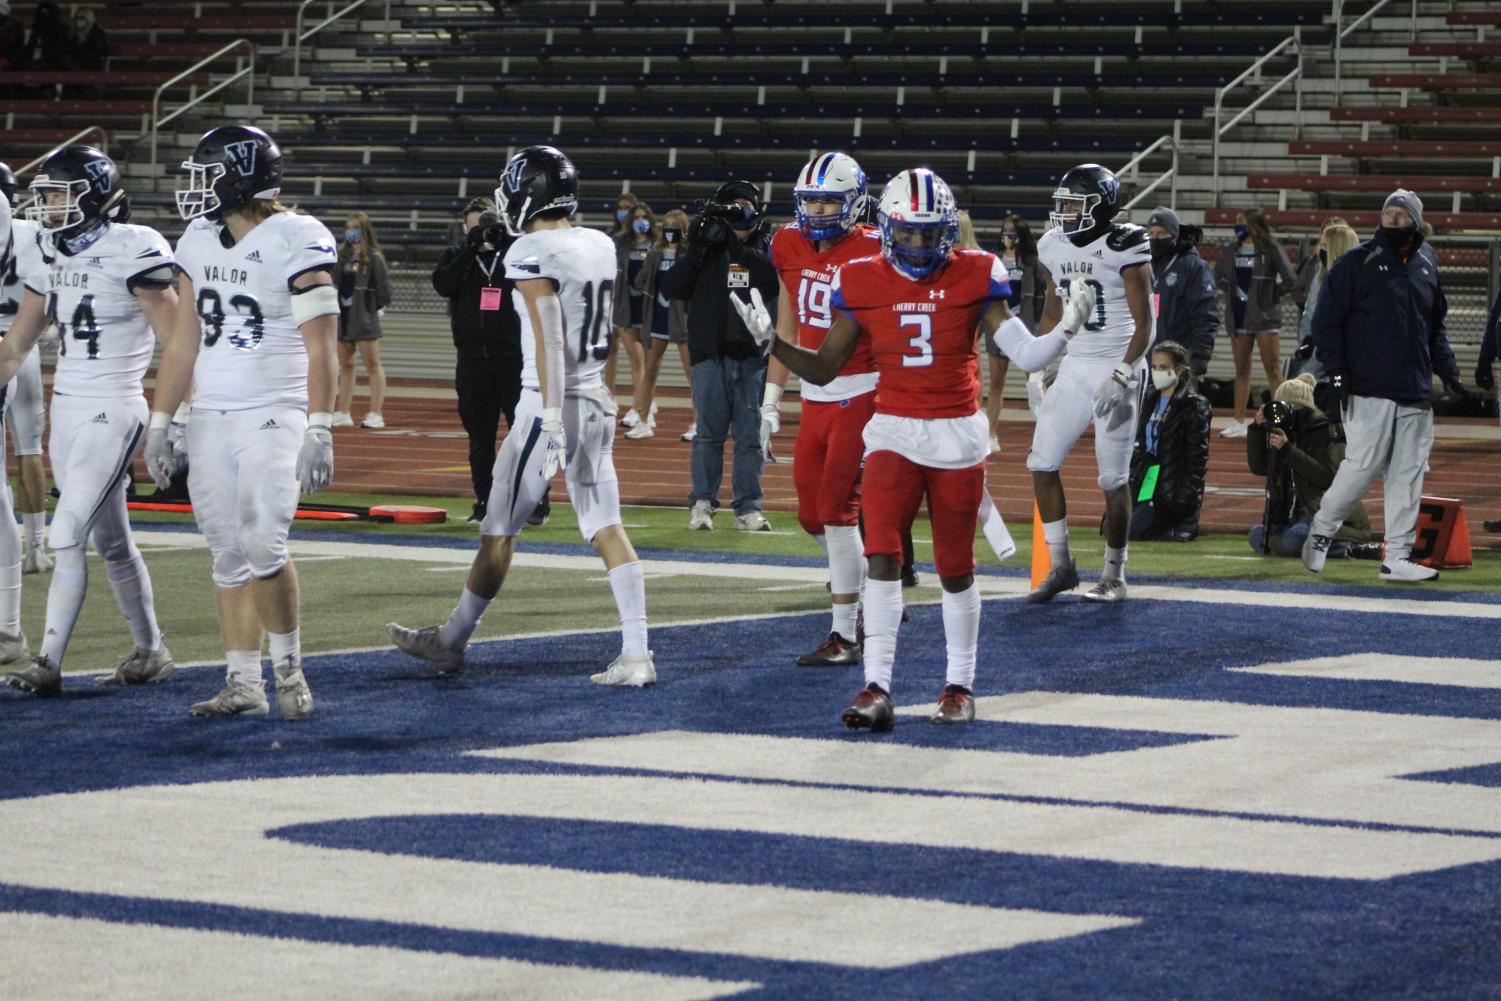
column 836, row 651
column 1063, row 577
column 955, row 706
column 871, row 711
column 909, row 577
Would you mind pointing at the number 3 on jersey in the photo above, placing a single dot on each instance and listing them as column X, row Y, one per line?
column 83, row 326
column 919, row 351
column 211, row 313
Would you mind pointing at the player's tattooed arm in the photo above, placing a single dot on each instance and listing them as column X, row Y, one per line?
column 1139, row 300
column 824, row 365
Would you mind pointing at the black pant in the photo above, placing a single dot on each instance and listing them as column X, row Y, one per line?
column 488, row 388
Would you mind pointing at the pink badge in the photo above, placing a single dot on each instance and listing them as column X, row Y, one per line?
column 489, row 298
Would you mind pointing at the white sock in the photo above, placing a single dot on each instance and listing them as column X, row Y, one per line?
column 132, row 586
column 823, row 543
column 628, row 582
column 1056, row 535
column 961, row 631
column 245, row 667
column 464, row 620
column 35, row 525
column 1115, row 564
column 70, row 579
column 10, row 600
column 846, row 552
column 996, row 532
column 284, row 645
column 883, row 616
column 846, row 616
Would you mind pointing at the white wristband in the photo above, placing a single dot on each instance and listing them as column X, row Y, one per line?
column 159, row 420
column 552, row 415
column 184, row 411
column 320, row 419
column 771, row 396
column 1123, row 373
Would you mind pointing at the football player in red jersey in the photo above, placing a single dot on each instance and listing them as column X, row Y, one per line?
column 830, row 196
column 915, row 307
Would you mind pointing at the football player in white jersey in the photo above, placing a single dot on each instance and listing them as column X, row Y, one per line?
column 564, row 277
column 12, row 642
column 1101, row 377
column 255, row 334
column 108, row 290
column 26, row 408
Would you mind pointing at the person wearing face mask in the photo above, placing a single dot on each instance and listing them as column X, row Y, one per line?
column 632, row 247
column 88, row 47
column 664, row 321
column 1187, row 303
column 1253, row 271
column 1172, row 451
column 1307, row 453
column 620, row 232
column 364, row 285
column 728, row 249
column 1379, row 330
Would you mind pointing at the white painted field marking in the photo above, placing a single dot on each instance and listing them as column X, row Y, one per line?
column 1390, row 667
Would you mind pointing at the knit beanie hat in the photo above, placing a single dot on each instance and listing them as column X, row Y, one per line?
column 1298, row 392
column 1404, row 199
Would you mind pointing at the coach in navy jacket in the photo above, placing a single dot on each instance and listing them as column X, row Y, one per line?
column 1379, row 330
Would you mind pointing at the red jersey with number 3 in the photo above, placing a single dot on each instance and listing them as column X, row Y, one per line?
column 809, row 278
column 922, row 333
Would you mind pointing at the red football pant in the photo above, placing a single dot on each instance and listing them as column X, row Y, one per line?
column 893, row 489
column 826, row 461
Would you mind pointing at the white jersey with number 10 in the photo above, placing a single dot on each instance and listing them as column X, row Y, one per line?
column 1101, row 263
column 581, row 265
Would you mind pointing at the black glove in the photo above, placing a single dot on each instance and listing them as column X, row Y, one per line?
column 1304, row 352
column 1485, row 375
column 1459, row 389
column 474, row 238
column 1336, row 397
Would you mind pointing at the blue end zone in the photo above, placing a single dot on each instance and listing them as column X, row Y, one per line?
column 1203, row 933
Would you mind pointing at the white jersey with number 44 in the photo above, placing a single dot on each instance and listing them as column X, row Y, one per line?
column 104, row 341
column 1101, row 264
column 581, row 265
column 251, row 353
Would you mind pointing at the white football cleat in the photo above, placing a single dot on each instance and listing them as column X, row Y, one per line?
column 426, row 644
column 293, row 697
column 238, row 698
column 637, row 672
column 36, row 560
column 141, row 667
column 1316, row 551
column 1107, row 592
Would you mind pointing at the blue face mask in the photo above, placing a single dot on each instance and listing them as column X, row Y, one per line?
column 352, row 235
column 620, row 214
column 642, row 226
column 1241, row 231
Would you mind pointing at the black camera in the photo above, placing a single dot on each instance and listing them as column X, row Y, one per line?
column 713, row 221
column 491, row 232
column 1279, row 416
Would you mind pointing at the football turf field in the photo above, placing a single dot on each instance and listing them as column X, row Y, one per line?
column 1245, row 782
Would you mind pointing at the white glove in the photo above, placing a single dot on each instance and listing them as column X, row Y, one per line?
column 315, row 462
column 177, row 435
column 1081, row 301
column 554, row 442
column 1110, row 398
column 771, row 423
column 160, row 456
column 756, row 319
column 1036, row 387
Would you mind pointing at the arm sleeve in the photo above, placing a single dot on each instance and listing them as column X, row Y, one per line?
column 1287, row 278
column 1224, row 280
column 454, row 265
column 1031, row 354
column 1438, row 339
column 648, row 272
column 1193, row 448
column 311, row 248
column 1330, row 312
column 1310, row 460
column 1256, row 449
column 382, row 277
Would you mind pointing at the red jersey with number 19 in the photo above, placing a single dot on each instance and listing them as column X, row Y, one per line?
column 808, row 276
column 922, row 333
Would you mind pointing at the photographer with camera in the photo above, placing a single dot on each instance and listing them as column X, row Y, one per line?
column 486, row 336
column 1296, row 447
column 1172, row 451
column 728, row 250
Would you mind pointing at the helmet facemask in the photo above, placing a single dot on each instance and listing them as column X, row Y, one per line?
column 199, row 197
column 828, row 227
column 61, row 217
column 1073, row 213
column 918, row 249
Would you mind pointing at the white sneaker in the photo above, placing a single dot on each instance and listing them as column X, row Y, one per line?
column 995, row 445
column 238, row 698
column 141, row 667
column 293, row 697
column 342, row 420
column 1107, row 592
column 1405, row 571
column 1316, row 551
column 1235, row 429
column 689, row 434
column 637, row 672
column 426, row 644
column 13, row 648
column 631, row 419
column 651, row 415
column 36, row 560
column 642, row 431
column 752, row 521
column 702, row 518
column 374, row 421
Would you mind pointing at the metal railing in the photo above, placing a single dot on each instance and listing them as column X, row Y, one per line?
column 244, row 67
column 1133, row 166
column 299, row 36
column 1296, row 41
column 1341, row 30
